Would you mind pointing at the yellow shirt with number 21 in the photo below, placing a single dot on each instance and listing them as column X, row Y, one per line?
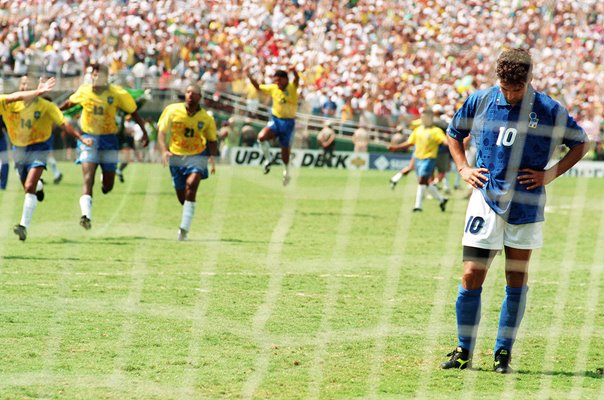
column 189, row 134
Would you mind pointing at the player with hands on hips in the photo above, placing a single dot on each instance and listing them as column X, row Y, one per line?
column 516, row 130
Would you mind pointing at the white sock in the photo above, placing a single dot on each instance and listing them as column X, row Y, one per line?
column 39, row 186
column 446, row 183
column 86, row 205
column 53, row 167
column 188, row 210
column 419, row 196
column 29, row 206
column 266, row 150
column 397, row 177
column 285, row 169
column 435, row 193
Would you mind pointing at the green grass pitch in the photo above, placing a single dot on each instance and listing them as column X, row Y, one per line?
column 330, row 288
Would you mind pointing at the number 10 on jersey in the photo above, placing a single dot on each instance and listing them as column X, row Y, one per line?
column 507, row 136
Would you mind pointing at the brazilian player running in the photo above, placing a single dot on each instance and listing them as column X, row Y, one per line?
column 192, row 144
column 29, row 120
column 100, row 102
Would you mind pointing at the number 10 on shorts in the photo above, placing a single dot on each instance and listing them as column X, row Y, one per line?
column 474, row 225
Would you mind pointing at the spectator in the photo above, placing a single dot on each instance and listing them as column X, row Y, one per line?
column 347, row 117
column 230, row 137
column 327, row 140
column 360, row 139
column 409, row 54
column 329, row 107
column 248, row 134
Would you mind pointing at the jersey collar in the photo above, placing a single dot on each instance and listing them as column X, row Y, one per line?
column 502, row 102
column 184, row 105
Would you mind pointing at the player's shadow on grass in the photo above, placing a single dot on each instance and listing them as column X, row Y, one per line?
column 129, row 240
column 143, row 194
column 587, row 374
column 337, row 214
column 113, row 240
column 116, row 188
column 124, row 240
column 37, row 258
column 234, row 240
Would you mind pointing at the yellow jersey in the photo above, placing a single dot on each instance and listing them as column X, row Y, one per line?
column 189, row 134
column 99, row 109
column 285, row 102
column 30, row 122
column 426, row 141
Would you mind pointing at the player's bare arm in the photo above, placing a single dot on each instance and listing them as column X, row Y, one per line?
column 534, row 178
column 473, row 176
column 161, row 141
column 69, row 129
column 213, row 150
column 66, row 105
column 137, row 118
column 400, row 147
column 296, row 76
column 253, row 81
column 43, row 87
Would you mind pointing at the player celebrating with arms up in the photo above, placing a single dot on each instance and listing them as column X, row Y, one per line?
column 192, row 134
column 100, row 102
column 29, row 121
column 282, row 122
column 517, row 130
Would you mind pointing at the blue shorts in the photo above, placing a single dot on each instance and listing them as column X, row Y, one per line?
column 424, row 167
column 183, row 166
column 3, row 142
column 283, row 128
column 3, row 148
column 32, row 156
column 104, row 151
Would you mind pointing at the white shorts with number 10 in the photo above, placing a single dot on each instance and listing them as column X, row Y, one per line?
column 487, row 230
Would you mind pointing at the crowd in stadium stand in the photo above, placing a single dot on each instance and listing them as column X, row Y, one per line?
column 370, row 60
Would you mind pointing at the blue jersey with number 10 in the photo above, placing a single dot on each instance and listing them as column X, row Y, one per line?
column 509, row 138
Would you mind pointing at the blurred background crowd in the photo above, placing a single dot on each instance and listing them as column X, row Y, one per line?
column 375, row 62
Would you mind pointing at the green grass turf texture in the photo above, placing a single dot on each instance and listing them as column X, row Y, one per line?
column 330, row 288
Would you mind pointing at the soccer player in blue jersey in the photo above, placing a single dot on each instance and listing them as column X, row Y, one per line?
column 516, row 130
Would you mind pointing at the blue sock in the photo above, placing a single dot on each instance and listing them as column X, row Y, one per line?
column 468, row 316
column 512, row 311
column 3, row 175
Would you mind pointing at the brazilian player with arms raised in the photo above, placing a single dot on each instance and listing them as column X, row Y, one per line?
column 282, row 122
column 516, row 130
column 29, row 120
column 100, row 102
column 192, row 144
